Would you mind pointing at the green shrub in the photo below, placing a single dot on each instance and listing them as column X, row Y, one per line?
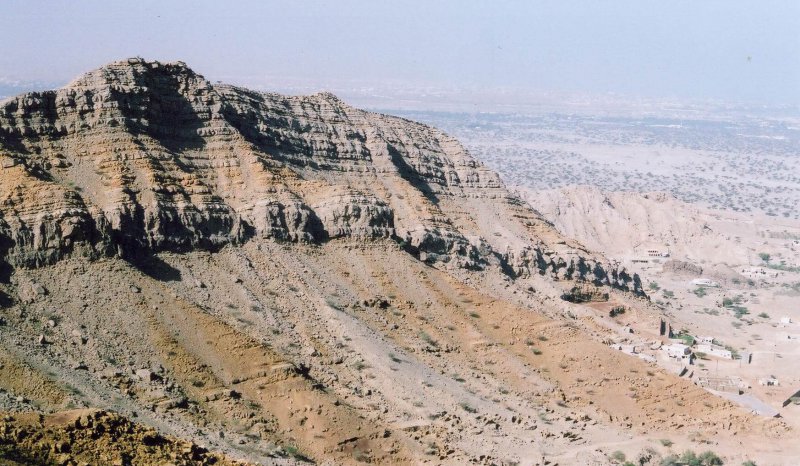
column 727, row 302
column 690, row 458
column 618, row 456
column 467, row 407
column 709, row 458
column 428, row 339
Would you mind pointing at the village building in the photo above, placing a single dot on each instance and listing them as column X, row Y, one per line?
column 705, row 282
column 645, row 254
column 769, row 382
column 658, row 252
column 677, row 350
column 746, row 357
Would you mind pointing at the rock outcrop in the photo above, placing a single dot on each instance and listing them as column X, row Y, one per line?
column 682, row 268
column 139, row 157
column 354, row 214
column 93, row 437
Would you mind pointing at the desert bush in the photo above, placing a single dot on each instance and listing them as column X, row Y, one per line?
column 615, row 311
column 727, row 302
column 428, row 339
column 618, row 456
column 467, row 407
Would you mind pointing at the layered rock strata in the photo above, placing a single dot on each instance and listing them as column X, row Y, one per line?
column 139, row 157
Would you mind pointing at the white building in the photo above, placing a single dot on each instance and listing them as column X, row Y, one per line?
column 649, row 253
column 705, row 282
column 677, row 350
column 769, row 382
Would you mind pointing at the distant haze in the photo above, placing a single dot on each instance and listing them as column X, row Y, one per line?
column 731, row 50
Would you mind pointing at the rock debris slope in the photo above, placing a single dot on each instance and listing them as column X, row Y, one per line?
column 288, row 279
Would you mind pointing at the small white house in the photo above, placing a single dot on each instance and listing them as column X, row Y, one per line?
column 658, row 252
column 706, row 340
column 769, row 382
column 677, row 350
column 786, row 320
column 705, row 282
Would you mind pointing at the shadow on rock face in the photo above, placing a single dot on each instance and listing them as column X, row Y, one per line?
column 410, row 174
column 6, row 243
column 5, row 300
column 155, row 267
column 164, row 112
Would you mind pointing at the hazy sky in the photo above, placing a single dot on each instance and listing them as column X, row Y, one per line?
column 737, row 50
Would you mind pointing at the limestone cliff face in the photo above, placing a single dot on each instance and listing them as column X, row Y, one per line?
column 355, row 214
column 139, row 157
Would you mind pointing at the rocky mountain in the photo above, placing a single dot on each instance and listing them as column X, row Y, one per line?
column 92, row 437
column 287, row 279
column 138, row 157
